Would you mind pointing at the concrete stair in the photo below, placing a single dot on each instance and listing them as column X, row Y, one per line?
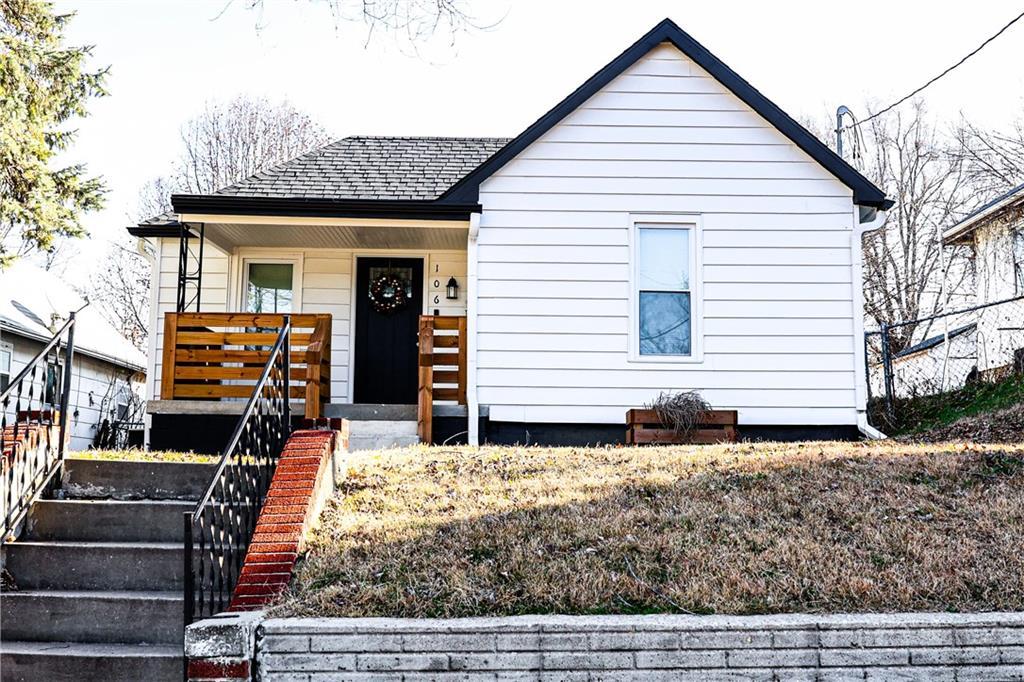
column 380, row 434
column 98, row 575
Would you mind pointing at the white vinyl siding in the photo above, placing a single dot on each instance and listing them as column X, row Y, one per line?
column 664, row 138
column 326, row 278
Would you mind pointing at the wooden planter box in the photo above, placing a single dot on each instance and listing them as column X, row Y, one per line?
column 644, row 428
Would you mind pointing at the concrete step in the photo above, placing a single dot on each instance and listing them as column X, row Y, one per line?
column 93, row 616
column 381, row 428
column 368, row 411
column 75, row 661
column 362, row 411
column 96, row 565
column 373, row 442
column 107, row 520
column 128, row 480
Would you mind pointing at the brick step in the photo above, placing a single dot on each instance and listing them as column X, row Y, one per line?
column 107, row 520
column 96, row 565
column 93, row 616
column 130, row 480
column 76, row 661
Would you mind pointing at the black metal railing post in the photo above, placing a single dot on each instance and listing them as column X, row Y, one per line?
column 189, row 572
column 287, row 362
column 65, row 393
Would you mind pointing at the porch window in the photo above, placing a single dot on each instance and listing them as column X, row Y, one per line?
column 268, row 288
column 663, row 265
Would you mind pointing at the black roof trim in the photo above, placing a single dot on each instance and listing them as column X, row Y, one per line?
column 412, row 209
column 864, row 192
column 155, row 230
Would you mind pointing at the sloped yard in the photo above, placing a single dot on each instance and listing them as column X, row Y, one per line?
column 833, row 527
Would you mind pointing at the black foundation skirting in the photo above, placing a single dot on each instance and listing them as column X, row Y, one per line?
column 206, row 434
column 520, row 433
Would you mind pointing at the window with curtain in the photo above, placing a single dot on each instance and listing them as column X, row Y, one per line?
column 268, row 288
column 664, row 289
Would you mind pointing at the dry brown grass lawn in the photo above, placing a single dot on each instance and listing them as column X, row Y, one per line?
column 445, row 532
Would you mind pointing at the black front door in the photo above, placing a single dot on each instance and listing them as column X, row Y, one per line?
column 389, row 300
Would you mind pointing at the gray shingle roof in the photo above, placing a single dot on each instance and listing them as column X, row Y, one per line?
column 372, row 168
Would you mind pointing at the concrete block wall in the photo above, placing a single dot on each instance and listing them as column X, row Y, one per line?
column 953, row 647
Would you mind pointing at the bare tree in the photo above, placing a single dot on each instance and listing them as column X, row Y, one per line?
column 993, row 160
column 231, row 141
column 905, row 266
column 411, row 21
column 121, row 291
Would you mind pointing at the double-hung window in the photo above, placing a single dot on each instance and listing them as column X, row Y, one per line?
column 664, row 313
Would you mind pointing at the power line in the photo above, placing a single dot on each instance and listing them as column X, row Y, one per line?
column 968, row 56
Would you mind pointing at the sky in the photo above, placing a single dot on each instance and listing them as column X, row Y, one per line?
column 167, row 58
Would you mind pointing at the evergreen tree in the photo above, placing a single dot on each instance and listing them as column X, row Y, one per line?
column 43, row 85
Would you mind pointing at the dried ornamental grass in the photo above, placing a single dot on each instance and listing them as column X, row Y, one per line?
column 680, row 411
column 743, row 528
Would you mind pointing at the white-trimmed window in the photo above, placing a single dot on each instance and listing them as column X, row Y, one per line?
column 269, row 286
column 665, row 296
column 6, row 357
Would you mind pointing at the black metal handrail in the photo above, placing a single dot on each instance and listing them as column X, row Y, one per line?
column 29, row 459
column 218, row 531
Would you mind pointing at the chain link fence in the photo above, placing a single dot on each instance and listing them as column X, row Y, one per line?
column 913, row 365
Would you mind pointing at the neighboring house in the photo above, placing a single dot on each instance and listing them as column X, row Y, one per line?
column 926, row 368
column 664, row 227
column 108, row 373
column 995, row 231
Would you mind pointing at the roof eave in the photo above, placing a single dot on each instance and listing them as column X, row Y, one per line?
column 15, row 329
column 413, row 209
column 972, row 222
column 865, row 193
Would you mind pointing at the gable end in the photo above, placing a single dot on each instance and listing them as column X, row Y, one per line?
column 864, row 192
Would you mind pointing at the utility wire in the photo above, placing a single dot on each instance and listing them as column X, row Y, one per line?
column 968, row 56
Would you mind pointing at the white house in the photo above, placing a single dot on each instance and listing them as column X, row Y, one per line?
column 108, row 373
column 665, row 226
column 995, row 232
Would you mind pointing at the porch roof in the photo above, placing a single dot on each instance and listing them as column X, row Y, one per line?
column 356, row 177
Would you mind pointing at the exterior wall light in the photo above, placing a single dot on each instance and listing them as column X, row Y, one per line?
column 452, row 289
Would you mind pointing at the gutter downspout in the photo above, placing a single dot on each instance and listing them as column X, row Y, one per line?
column 860, row 228
column 472, row 405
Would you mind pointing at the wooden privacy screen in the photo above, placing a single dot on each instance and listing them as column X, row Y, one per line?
column 221, row 355
column 442, row 350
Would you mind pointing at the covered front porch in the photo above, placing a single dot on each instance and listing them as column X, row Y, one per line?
column 377, row 309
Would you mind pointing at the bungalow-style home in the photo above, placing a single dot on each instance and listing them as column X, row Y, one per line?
column 664, row 227
column 108, row 373
column 995, row 232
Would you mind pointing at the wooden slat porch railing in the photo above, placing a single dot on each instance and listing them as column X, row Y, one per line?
column 221, row 355
column 442, row 345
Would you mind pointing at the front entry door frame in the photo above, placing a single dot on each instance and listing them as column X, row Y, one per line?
column 424, row 305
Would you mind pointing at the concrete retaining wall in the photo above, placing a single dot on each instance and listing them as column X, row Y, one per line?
column 951, row 647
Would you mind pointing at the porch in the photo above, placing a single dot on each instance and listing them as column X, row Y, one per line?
column 211, row 363
column 356, row 290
